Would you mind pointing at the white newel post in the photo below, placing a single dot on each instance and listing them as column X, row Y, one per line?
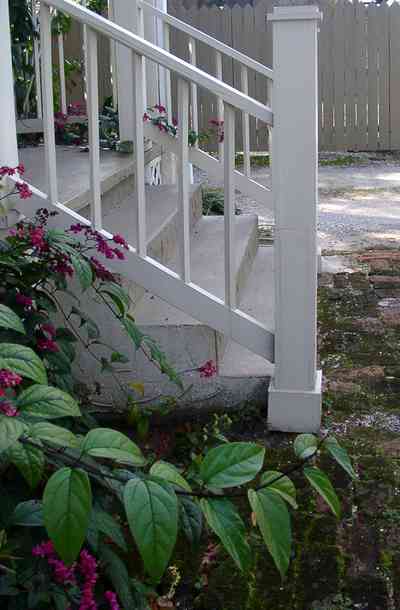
column 295, row 390
column 8, row 132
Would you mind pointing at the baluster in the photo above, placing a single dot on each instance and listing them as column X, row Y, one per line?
column 140, row 31
column 92, row 100
column 168, row 94
column 193, row 87
column 220, row 102
column 61, row 68
column 48, row 102
column 36, row 54
column 113, row 58
column 140, row 195
column 244, row 75
column 183, row 181
column 229, row 206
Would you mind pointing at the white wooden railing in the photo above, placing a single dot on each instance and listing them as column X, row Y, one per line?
column 295, row 391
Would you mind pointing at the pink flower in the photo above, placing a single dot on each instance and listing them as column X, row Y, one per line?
column 174, row 121
column 119, row 254
column 37, row 238
column 47, row 345
column 6, row 171
column 8, row 379
column 62, row 573
column 208, row 369
column 8, row 409
column 23, row 190
column 77, row 228
column 160, row 108
column 20, row 169
column 49, row 330
column 146, row 117
column 112, row 600
column 23, row 300
column 45, row 549
column 118, row 239
column 88, row 568
column 100, row 271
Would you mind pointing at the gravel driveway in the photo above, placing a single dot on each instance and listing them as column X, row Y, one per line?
column 359, row 205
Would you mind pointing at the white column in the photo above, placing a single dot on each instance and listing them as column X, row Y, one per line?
column 125, row 14
column 8, row 131
column 295, row 391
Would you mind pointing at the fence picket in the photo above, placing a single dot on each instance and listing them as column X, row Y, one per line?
column 229, row 206
column 92, row 91
column 183, row 182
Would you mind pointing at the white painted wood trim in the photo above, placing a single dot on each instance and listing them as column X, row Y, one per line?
column 229, row 94
column 48, row 103
column 229, row 207
column 193, row 89
column 213, row 167
column 61, row 68
column 220, row 101
column 92, row 92
column 8, row 137
column 168, row 90
column 244, row 78
column 183, row 237
column 139, row 192
column 210, row 41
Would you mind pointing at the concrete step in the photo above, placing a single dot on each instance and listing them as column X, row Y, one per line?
column 257, row 301
column 186, row 341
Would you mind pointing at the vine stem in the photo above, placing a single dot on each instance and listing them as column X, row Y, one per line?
column 61, row 455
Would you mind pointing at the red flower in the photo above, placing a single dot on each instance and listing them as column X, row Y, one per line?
column 8, row 379
column 37, row 238
column 20, row 169
column 160, row 108
column 118, row 239
column 208, row 369
column 174, row 122
column 8, row 409
column 48, row 329
column 47, row 345
column 6, row 171
column 146, row 117
column 23, row 300
column 23, row 190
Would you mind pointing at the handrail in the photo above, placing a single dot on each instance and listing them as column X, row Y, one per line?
column 209, row 40
column 185, row 70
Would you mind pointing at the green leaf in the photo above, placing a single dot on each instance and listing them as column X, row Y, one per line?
column 223, row 518
column 323, row 486
column 170, row 473
column 118, row 357
column 67, row 504
column 65, row 334
column 305, row 445
column 83, row 270
column 133, row 331
column 118, row 295
column 46, row 401
column 340, row 455
column 106, row 524
column 191, row 519
column 152, row 511
column 28, row 514
column 111, row 444
column 29, row 461
column 117, row 572
column 11, row 429
column 10, row 320
column 23, row 361
column 46, row 431
column 273, row 519
column 231, row 464
column 284, row 486
column 59, row 362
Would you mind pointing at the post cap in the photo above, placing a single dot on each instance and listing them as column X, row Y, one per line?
column 295, row 13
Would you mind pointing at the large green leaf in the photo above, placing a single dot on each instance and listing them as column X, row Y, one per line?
column 133, row 331
column 23, row 361
column 170, row 473
column 28, row 514
column 83, row 270
column 49, row 402
column 305, row 445
column 67, row 504
column 11, row 429
column 191, row 519
column 152, row 511
column 223, row 518
column 118, row 295
column 280, row 484
column 10, row 320
column 46, row 431
column 323, row 486
column 232, row 464
column 274, row 522
column 117, row 572
column 29, row 461
column 106, row 524
column 111, row 444
column 340, row 455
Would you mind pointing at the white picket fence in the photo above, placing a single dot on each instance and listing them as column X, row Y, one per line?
column 295, row 391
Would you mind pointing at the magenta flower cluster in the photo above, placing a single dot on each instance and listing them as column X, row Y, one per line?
column 8, row 379
column 20, row 187
column 208, row 369
column 101, row 243
column 82, row 574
